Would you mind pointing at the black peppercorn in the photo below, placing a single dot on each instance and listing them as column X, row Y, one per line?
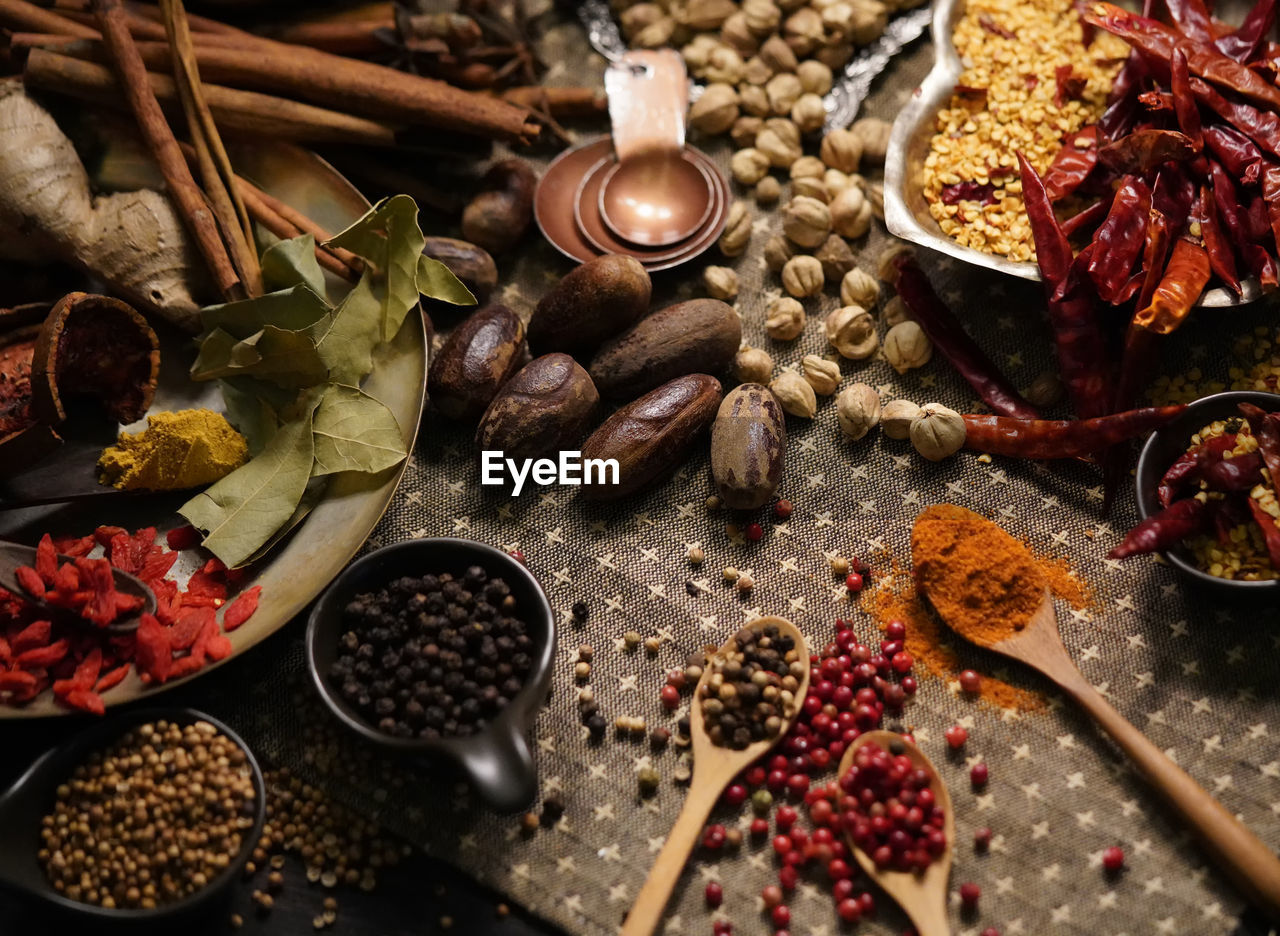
column 596, row 725
column 580, row 611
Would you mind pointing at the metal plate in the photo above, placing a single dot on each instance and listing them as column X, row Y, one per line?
column 906, row 213
column 300, row 568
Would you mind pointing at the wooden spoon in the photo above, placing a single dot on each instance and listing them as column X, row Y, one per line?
column 922, row 897
column 714, row 767
column 1250, row 863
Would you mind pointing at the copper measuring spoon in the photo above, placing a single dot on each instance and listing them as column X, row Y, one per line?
column 714, row 767
column 652, row 196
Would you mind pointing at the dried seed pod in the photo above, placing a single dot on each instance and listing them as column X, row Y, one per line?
column 803, row 30
column 589, row 304
column 498, row 217
column 1045, row 391
column 836, row 181
column 546, row 407
column 477, row 358
column 748, row 442
column 834, row 55
column 778, row 55
column 768, row 190
column 795, row 395
column 697, row 52
column 635, row 19
column 807, row 167
column 875, row 198
column 823, row 375
column 784, row 90
column 859, row 288
column 808, row 112
column 655, row 35
column 777, row 252
column 937, row 432
column 802, row 276
column 814, row 76
column 852, row 332
column 721, row 283
column 841, row 149
column 704, row 15
column 748, row 166
column 781, row 153
column 850, row 213
column 886, row 265
column 895, row 312
column 753, row 365
column 756, row 71
column 762, row 17
column 873, row 133
column 836, row 258
column 754, row 102
column 806, row 221
column 896, row 418
column 785, row 319
column 735, row 36
column 906, row 346
column 869, row 20
column 809, row 187
column 858, row 410
column 724, row 66
column 716, row 110
column 785, row 128
column 744, row 130
column 837, row 21
column 737, row 230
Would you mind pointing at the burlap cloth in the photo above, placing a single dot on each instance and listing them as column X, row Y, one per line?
column 1198, row 676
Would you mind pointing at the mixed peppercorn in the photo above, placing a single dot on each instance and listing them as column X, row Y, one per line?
column 434, row 656
column 750, row 689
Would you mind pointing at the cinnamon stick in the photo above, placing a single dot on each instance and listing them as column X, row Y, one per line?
column 285, row 230
column 559, row 102
column 307, row 226
column 162, row 144
column 140, row 11
column 27, row 17
column 244, row 113
column 355, row 37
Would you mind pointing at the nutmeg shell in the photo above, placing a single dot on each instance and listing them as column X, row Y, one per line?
column 748, row 442
column 477, row 358
column 592, row 303
column 547, row 407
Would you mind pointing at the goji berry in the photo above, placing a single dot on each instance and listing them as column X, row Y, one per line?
column 191, row 621
column 153, row 656
column 30, row 581
column 74, row 546
column 219, row 647
column 241, row 609
column 206, row 584
column 112, row 678
column 36, row 634
column 157, row 565
column 16, row 680
column 46, row 559
column 87, row 670
column 44, row 656
column 66, row 578
column 6, row 652
column 183, row 537
column 86, row 700
column 103, row 535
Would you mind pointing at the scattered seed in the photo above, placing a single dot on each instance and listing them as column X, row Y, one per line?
column 695, row 555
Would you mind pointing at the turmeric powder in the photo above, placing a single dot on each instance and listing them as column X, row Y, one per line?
column 186, row 449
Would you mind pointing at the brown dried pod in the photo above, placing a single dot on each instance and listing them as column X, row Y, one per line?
column 498, row 217
column 545, row 408
column 699, row 336
column 651, row 436
column 748, row 441
column 94, row 346
column 592, row 303
column 468, row 262
column 477, row 358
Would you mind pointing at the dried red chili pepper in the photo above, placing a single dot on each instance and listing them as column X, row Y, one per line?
column 1185, row 277
column 1172, row 195
column 1184, row 101
column 1157, row 41
column 1261, row 126
column 1072, row 165
column 1068, row 87
column 950, row 338
column 1230, row 475
column 1270, row 531
column 1122, row 100
column 1260, row 263
column 1156, row 102
column 183, row 537
column 1192, row 19
column 1266, row 429
column 1050, row 438
column 1236, row 152
column 1143, row 151
column 991, row 26
column 1087, row 220
column 1172, row 481
column 1160, row 531
column 1271, row 198
column 1222, row 260
column 1118, row 241
column 1139, row 356
column 1081, row 347
column 1243, row 43
column 957, row 192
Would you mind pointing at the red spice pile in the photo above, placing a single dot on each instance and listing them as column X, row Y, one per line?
column 80, row 659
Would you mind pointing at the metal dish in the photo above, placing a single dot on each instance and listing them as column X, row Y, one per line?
column 906, row 213
column 497, row 759
column 301, row 566
column 1167, row 444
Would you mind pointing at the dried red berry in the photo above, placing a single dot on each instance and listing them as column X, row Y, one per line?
column 956, row 737
column 982, row 838
column 853, row 582
column 979, row 774
column 782, row 509
column 1113, row 858
column 754, row 532
column 714, row 894
column 781, row 916
column 970, row 681
column 969, row 894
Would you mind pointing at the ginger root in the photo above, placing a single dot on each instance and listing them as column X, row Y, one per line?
column 134, row 241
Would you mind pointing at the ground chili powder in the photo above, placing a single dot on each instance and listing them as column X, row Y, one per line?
column 963, row 558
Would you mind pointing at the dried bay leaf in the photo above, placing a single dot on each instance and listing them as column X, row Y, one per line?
column 295, row 308
column 240, row 513
column 355, row 432
column 436, row 281
column 283, row 357
column 293, row 262
column 253, row 408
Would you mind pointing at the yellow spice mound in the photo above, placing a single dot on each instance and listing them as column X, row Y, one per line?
column 186, row 449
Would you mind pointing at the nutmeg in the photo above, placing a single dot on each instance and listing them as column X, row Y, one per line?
column 500, row 214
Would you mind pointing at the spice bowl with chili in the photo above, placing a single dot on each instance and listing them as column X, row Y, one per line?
column 183, row 779
column 1207, row 498
column 439, row 648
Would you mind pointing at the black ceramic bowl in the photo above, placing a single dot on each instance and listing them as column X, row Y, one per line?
column 1168, row 443
column 497, row 759
column 31, row 797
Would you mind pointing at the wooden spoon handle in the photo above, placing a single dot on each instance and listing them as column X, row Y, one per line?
column 1250, row 863
column 646, row 912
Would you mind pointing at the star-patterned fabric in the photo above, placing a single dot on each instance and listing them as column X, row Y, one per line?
column 1197, row 675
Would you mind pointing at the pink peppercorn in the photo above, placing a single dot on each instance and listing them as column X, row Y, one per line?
column 956, row 737
column 782, row 509
column 909, row 685
column 788, row 877
column 781, row 844
column 895, row 630
column 759, row 827
column 902, row 662
column 786, row 816
column 970, row 681
column 990, row 931
column 670, row 697
column 853, row 582
column 781, row 916
column 772, row 896
column 735, row 794
column 714, row 894
column 982, row 838
column 1113, row 858
column 969, row 894
column 722, row 928
column 848, row 910
column 979, row 774
column 754, row 532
